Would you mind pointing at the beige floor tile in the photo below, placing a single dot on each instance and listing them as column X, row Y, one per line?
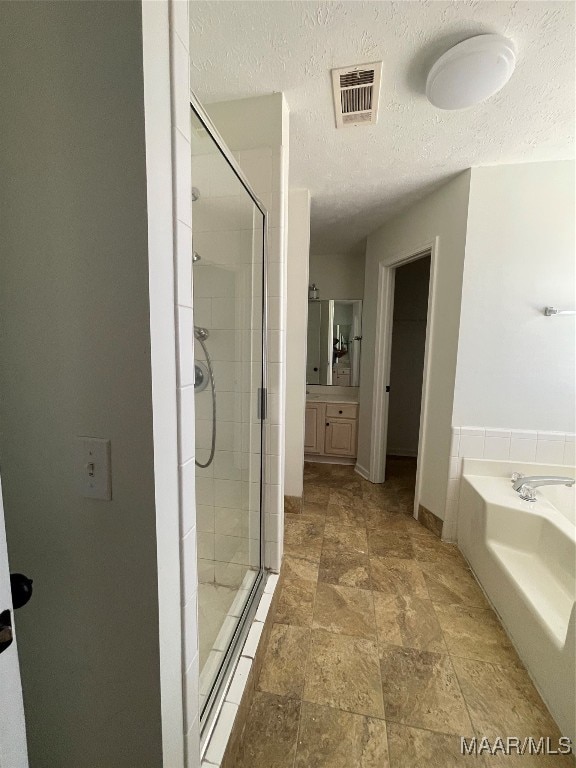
column 395, row 576
column 284, row 661
column 348, row 568
column 344, row 513
column 502, row 701
column 341, row 538
column 271, row 732
column 314, row 509
column 298, row 569
column 409, row 621
column 390, row 544
column 449, row 582
column 331, row 738
column 297, row 589
column 343, row 672
column 417, row 748
column 378, row 518
column 420, row 689
column 318, row 493
column 437, row 639
column 303, row 537
column 475, row 633
column 345, row 610
column 433, row 550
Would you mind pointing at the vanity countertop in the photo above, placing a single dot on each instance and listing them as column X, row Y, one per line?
column 331, row 398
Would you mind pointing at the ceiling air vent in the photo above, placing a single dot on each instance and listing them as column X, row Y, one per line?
column 356, row 94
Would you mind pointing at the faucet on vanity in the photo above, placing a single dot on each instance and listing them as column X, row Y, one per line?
column 524, row 486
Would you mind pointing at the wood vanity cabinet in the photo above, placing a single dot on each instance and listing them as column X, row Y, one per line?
column 314, row 428
column 331, row 429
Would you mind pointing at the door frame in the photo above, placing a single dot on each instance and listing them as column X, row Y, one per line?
column 382, row 360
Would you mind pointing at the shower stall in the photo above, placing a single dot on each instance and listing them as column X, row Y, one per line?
column 229, row 279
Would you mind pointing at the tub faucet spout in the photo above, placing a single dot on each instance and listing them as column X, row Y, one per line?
column 525, row 486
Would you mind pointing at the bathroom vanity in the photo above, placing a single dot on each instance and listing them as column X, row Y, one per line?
column 332, row 380
column 331, row 428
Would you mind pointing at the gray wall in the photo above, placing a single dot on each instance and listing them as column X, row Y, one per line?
column 340, row 276
column 441, row 214
column 75, row 355
column 407, row 357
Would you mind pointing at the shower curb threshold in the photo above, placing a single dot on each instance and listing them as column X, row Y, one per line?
column 222, row 748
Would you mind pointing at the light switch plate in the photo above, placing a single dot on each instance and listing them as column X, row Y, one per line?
column 94, row 468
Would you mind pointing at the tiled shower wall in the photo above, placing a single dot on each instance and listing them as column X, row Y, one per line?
column 227, row 536
column 502, row 445
column 228, row 302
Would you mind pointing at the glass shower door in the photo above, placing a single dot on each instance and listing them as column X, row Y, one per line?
column 228, row 278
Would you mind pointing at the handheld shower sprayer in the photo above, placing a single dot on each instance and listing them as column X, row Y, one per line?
column 201, row 335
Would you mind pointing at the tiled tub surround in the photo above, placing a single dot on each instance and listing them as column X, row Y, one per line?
column 504, row 445
column 524, row 555
column 383, row 650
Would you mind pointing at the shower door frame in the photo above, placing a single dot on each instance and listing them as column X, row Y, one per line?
column 209, row 714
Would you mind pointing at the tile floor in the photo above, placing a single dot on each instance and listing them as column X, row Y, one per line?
column 383, row 650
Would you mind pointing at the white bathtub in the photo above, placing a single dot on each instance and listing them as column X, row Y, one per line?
column 524, row 556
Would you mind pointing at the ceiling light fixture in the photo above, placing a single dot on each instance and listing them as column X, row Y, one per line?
column 471, row 72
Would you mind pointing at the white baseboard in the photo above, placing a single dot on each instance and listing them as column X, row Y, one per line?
column 362, row 472
column 313, row 459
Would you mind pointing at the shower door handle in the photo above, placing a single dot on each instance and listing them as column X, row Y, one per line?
column 262, row 403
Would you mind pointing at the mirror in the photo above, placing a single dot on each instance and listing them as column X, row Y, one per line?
column 334, row 339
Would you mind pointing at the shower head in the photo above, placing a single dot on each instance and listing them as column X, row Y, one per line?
column 201, row 333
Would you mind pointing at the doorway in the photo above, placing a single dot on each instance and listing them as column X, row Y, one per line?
column 403, row 332
column 408, row 344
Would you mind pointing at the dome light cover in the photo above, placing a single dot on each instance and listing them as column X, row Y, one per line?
column 471, row 72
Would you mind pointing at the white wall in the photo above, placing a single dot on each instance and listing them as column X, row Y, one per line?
column 296, row 322
column 166, row 105
column 338, row 276
column 516, row 367
column 75, row 350
column 407, row 356
column 442, row 214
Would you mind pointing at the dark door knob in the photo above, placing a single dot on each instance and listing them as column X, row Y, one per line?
column 21, row 589
column 5, row 630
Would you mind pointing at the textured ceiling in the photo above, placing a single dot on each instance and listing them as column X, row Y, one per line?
column 359, row 176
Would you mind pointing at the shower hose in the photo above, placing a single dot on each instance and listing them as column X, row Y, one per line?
column 213, row 387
